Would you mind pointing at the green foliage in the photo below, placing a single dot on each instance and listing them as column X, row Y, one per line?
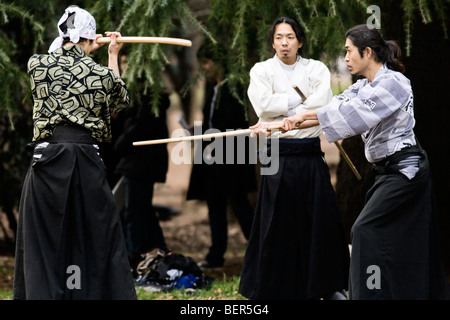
column 240, row 26
column 14, row 84
column 413, row 9
column 160, row 18
column 248, row 22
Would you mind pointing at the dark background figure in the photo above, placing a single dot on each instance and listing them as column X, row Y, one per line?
column 142, row 167
column 221, row 184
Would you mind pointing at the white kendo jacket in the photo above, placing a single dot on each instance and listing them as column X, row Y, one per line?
column 270, row 84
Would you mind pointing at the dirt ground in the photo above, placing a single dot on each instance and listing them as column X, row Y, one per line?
column 187, row 231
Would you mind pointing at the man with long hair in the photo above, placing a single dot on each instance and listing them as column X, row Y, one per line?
column 395, row 253
column 297, row 247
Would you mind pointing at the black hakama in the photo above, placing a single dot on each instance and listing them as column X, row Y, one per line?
column 70, row 243
column 297, row 247
column 395, row 252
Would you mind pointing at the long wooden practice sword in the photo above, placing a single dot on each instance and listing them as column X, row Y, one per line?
column 192, row 138
column 163, row 40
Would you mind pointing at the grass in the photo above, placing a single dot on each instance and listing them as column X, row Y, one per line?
column 224, row 287
column 5, row 294
column 221, row 289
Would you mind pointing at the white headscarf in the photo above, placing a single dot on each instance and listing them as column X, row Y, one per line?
column 79, row 25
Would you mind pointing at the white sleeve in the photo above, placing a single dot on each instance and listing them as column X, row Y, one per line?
column 265, row 102
column 320, row 85
column 349, row 114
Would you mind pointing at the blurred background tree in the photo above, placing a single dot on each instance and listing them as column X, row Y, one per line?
column 240, row 27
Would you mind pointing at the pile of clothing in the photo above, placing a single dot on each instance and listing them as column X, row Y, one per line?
column 165, row 270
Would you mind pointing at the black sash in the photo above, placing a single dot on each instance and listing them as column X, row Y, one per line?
column 390, row 163
column 67, row 133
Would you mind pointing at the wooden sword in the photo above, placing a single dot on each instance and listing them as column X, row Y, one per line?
column 163, row 40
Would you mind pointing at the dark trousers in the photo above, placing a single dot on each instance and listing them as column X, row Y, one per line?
column 297, row 247
column 70, row 242
column 142, row 229
column 395, row 250
column 217, row 211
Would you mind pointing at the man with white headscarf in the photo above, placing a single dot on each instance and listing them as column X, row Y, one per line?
column 69, row 241
column 76, row 23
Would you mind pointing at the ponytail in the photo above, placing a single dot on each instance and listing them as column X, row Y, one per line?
column 393, row 55
column 387, row 52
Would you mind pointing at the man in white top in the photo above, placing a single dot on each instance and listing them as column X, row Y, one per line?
column 395, row 249
column 297, row 247
column 271, row 89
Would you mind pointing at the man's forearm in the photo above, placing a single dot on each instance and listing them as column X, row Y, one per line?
column 114, row 64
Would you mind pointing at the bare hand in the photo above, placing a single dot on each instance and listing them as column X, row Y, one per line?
column 292, row 123
column 265, row 127
column 97, row 45
column 114, row 46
